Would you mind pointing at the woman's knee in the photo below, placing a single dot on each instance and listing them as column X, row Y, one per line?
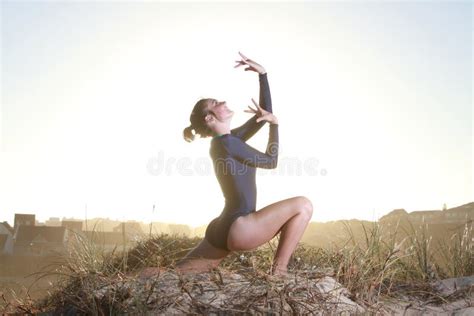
column 306, row 206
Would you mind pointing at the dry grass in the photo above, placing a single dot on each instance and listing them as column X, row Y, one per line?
column 380, row 267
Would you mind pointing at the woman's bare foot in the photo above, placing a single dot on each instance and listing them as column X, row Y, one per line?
column 279, row 271
column 283, row 273
column 278, row 275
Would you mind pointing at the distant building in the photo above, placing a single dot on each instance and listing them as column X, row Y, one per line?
column 24, row 219
column 53, row 221
column 107, row 240
column 394, row 215
column 39, row 240
column 72, row 225
column 461, row 214
column 426, row 216
column 179, row 229
column 6, row 239
column 8, row 227
column 132, row 230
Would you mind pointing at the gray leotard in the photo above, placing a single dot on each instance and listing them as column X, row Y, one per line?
column 235, row 164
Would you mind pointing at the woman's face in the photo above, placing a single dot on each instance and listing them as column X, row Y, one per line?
column 220, row 109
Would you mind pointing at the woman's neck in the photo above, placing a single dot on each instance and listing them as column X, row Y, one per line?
column 216, row 135
column 220, row 131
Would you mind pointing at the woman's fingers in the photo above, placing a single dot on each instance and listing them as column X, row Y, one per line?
column 250, row 108
column 243, row 56
column 251, row 111
column 243, row 63
column 256, row 104
column 239, row 64
column 253, row 66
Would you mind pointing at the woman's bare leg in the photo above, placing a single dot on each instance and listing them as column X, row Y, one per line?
column 290, row 235
column 289, row 216
column 202, row 258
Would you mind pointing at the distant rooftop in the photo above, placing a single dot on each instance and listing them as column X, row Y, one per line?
column 48, row 233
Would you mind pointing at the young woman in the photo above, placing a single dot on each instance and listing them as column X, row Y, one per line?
column 240, row 226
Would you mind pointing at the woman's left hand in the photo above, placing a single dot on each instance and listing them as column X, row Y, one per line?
column 262, row 114
column 252, row 65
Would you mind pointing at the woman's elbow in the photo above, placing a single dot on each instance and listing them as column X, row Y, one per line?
column 274, row 163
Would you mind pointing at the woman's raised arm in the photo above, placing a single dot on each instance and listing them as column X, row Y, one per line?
column 250, row 156
column 249, row 128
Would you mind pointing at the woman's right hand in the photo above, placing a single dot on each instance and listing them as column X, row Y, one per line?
column 262, row 114
column 252, row 65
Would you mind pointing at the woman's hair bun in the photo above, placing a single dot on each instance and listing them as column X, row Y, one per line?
column 188, row 134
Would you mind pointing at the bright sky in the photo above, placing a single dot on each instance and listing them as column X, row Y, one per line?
column 374, row 103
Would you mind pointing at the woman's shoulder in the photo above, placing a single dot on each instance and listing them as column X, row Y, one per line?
column 222, row 143
column 222, row 139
